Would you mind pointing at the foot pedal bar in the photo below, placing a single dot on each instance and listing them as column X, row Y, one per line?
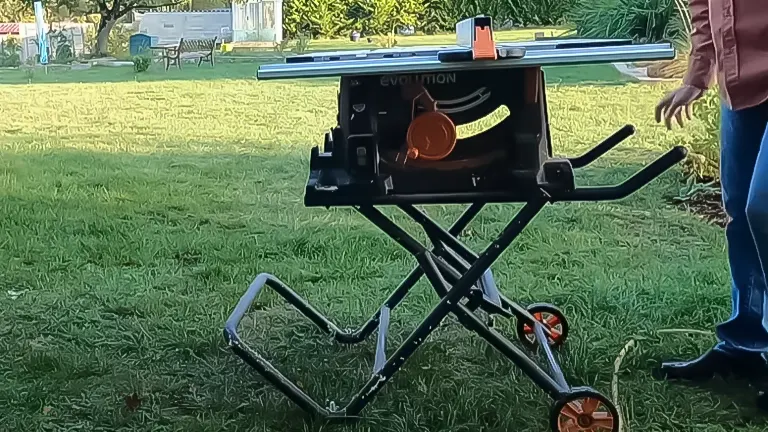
column 381, row 341
column 490, row 290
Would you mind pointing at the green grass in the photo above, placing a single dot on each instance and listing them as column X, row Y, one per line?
column 242, row 64
column 233, row 68
column 133, row 215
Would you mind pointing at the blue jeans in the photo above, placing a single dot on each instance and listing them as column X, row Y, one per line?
column 744, row 178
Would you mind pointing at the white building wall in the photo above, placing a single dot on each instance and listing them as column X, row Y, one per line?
column 75, row 31
column 169, row 27
column 257, row 21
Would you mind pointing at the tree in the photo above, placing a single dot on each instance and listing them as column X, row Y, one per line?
column 110, row 11
column 439, row 16
column 385, row 16
column 15, row 11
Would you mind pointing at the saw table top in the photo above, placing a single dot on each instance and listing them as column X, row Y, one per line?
column 432, row 58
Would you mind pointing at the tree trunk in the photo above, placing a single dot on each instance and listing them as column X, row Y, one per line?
column 106, row 24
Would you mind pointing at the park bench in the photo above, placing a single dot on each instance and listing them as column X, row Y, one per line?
column 201, row 49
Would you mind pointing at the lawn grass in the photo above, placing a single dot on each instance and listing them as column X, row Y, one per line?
column 234, row 68
column 242, row 64
column 133, row 215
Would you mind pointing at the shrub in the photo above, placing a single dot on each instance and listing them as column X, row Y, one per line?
column 640, row 20
column 9, row 53
column 438, row 16
column 63, row 51
column 377, row 17
column 141, row 63
column 326, row 18
column 539, row 12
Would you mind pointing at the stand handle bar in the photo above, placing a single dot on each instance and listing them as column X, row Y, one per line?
column 612, row 141
column 629, row 186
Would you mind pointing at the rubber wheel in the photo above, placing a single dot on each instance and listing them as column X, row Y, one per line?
column 552, row 318
column 584, row 410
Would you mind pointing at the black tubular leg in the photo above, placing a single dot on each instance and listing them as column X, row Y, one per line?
column 454, row 246
column 255, row 360
column 556, row 387
column 612, row 141
column 261, row 365
column 455, row 230
column 538, row 330
column 415, row 275
column 553, row 388
column 448, row 303
column 434, row 230
column 391, row 302
column 275, row 377
column 413, row 246
column 433, row 273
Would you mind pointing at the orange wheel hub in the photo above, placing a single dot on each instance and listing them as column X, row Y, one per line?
column 552, row 322
column 586, row 414
column 431, row 136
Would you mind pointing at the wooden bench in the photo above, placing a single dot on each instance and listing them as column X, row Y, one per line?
column 201, row 49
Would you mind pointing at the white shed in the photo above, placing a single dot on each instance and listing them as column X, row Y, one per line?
column 257, row 21
column 169, row 27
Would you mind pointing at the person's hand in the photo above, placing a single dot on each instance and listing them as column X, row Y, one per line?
column 675, row 102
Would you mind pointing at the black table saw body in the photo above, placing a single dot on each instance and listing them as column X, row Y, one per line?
column 365, row 156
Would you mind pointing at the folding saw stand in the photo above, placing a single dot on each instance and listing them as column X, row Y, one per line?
column 396, row 145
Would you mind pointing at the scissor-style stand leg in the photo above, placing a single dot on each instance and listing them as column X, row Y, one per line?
column 457, row 276
column 463, row 281
column 260, row 364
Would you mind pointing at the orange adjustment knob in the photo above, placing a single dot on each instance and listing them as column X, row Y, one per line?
column 431, row 136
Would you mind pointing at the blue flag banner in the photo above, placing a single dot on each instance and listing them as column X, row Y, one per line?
column 42, row 40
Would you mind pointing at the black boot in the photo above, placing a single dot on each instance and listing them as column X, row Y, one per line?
column 762, row 401
column 715, row 362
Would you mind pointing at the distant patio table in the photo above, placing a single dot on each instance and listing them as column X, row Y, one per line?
column 163, row 48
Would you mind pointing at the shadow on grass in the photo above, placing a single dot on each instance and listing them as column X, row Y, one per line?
column 129, row 265
column 224, row 69
column 232, row 68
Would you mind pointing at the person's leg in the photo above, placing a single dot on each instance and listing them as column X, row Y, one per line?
column 757, row 215
column 746, row 202
column 742, row 337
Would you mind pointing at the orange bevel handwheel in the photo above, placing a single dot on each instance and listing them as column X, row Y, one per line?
column 431, row 136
